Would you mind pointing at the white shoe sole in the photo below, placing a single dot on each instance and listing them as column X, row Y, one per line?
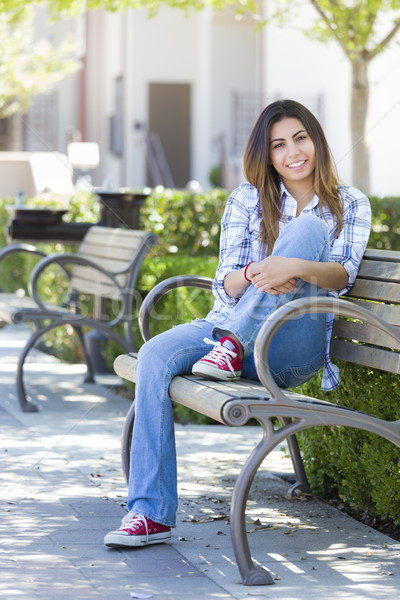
column 202, row 369
column 120, row 540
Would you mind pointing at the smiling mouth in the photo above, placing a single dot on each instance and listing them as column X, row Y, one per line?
column 296, row 164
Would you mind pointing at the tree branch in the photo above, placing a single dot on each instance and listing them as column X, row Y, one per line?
column 386, row 40
column 325, row 17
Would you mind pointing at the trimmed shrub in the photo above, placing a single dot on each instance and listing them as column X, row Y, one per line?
column 359, row 467
column 385, row 223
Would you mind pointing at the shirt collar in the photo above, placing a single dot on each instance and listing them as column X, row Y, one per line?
column 291, row 203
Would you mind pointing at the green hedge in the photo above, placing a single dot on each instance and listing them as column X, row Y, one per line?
column 359, row 467
column 385, row 223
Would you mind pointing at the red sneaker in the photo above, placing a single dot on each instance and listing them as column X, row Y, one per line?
column 222, row 363
column 137, row 530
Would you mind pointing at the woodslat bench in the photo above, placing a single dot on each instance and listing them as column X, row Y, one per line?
column 105, row 267
column 370, row 338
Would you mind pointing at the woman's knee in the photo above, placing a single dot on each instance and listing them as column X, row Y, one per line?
column 307, row 225
column 172, row 349
column 153, row 352
column 307, row 234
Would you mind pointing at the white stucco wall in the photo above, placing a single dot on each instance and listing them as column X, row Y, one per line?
column 214, row 54
column 217, row 55
column 383, row 123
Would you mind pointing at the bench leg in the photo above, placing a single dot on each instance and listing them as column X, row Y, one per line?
column 251, row 575
column 301, row 486
column 89, row 378
column 26, row 406
column 126, row 441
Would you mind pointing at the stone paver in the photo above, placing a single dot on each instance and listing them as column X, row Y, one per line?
column 62, row 489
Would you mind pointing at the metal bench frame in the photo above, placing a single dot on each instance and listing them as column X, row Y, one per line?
column 106, row 266
column 367, row 339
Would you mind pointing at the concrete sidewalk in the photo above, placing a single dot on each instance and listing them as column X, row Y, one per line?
column 62, row 489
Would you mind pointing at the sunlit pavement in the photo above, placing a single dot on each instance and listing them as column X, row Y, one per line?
column 62, row 489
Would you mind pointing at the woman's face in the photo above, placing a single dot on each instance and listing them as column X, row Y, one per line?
column 292, row 152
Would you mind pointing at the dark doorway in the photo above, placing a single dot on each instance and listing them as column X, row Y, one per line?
column 169, row 119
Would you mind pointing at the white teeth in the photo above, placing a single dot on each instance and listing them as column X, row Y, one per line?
column 297, row 164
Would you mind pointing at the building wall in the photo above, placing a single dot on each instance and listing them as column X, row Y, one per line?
column 214, row 55
column 218, row 56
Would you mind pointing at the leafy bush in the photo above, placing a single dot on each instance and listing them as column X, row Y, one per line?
column 385, row 223
column 360, row 467
column 185, row 222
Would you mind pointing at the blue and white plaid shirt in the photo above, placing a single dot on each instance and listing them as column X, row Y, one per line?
column 239, row 244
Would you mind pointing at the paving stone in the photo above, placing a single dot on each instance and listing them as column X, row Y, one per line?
column 62, row 489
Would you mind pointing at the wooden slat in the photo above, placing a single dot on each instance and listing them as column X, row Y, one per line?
column 376, row 254
column 365, row 355
column 110, row 264
column 98, row 287
column 362, row 332
column 379, row 271
column 119, row 238
column 371, row 290
column 388, row 312
column 99, row 251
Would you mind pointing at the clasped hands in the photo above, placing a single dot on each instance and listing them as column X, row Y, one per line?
column 274, row 275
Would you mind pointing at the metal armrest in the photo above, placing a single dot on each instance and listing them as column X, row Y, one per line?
column 163, row 288
column 20, row 248
column 62, row 260
column 14, row 248
column 299, row 307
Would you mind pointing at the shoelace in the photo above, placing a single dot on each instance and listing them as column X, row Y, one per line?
column 135, row 520
column 220, row 354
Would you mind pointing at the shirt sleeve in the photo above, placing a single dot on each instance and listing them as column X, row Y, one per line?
column 235, row 240
column 348, row 248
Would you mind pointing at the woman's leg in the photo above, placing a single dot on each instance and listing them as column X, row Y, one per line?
column 152, row 489
column 306, row 237
column 298, row 348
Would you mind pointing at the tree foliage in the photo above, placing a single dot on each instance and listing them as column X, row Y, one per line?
column 74, row 7
column 361, row 27
column 28, row 67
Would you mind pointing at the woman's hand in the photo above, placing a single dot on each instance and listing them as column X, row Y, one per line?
column 274, row 275
column 279, row 275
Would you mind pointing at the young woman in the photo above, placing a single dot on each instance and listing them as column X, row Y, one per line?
column 291, row 232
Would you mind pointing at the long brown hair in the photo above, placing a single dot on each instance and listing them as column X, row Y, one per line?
column 262, row 175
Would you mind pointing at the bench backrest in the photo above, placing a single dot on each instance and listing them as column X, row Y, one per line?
column 377, row 288
column 115, row 250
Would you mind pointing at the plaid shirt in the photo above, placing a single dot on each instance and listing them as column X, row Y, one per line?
column 239, row 244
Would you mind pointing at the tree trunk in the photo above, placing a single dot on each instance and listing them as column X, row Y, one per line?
column 359, row 110
column 15, row 133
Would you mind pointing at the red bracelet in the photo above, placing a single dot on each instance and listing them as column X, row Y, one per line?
column 245, row 271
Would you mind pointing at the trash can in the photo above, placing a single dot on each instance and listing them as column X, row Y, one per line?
column 120, row 208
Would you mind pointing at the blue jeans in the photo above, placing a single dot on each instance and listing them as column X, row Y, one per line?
column 295, row 355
